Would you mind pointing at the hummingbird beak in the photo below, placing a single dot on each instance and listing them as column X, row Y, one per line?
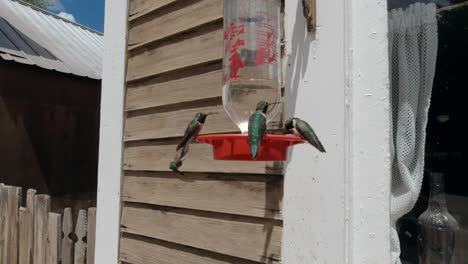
column 212, row 113
column 276, row 103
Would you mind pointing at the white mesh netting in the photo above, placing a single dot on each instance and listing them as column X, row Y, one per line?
column 413, row 50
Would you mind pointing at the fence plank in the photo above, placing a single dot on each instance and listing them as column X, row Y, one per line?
column 41, row 210
column 80, row 231
column 24, row 231
column 11, row 221
column 91, row 235
column 3, row 228
column 3, row 213
column 30, row 207
column 53, row 238
column 67, row 242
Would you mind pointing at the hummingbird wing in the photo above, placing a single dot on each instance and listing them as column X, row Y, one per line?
column 192, row 130
column 257, row 129
column 306, row 131
column 181, row 153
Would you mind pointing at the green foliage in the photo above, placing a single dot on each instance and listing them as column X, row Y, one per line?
column 44, row 4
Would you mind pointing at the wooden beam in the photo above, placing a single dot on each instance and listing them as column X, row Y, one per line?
column 310, row 14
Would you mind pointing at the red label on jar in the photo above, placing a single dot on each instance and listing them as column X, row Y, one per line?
column 232, row 35
column 265, row 50
column 266, row 44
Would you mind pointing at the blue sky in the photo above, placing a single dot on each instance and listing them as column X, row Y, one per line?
column 89, row 13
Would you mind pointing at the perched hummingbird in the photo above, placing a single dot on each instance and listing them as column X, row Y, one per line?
column 301, row 128
column 191, row 132
column 174, row 166
column 257, row 127
column 180, row 156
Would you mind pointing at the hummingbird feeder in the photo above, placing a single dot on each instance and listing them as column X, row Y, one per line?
column 251, row 73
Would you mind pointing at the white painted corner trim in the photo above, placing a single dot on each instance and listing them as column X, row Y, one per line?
column 368, row 165
column 337, row 205
column 111, row 133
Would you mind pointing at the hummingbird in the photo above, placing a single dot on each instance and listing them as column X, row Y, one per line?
column 301, row 128
column 191, row 132
column 179, row 158
column 257, row 127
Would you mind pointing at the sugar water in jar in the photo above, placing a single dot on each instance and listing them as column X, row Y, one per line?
column 252, row 59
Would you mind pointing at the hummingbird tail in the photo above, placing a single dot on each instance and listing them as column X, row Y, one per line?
column 320, row 147
column 254, row 151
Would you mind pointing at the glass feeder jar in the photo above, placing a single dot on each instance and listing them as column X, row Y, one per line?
column 252, row 59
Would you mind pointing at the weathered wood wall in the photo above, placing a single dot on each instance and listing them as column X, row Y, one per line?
column 220, row 211
column 49, row 133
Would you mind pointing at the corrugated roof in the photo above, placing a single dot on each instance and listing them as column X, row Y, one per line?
column 34, row 36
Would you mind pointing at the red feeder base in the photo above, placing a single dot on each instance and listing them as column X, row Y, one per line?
column 236, row 146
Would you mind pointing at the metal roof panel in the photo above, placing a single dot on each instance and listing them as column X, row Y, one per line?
column 34, row 36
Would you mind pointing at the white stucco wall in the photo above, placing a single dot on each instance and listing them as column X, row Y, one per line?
column 336, row 205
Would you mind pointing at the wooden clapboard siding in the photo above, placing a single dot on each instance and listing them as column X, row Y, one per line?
column 150, row 156
column 141, row 250
column 139, row 8
column 176, row 55
column 251, row 195
column 150, row 124
column 219, row 212
column 152, row 93
column 248, row 238
column 186, row 15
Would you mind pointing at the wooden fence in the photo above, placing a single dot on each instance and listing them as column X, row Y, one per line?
column 31, row 234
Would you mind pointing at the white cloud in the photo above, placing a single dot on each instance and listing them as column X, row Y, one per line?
column 67, row 16
column 56, row 5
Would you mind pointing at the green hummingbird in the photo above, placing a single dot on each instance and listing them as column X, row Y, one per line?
column 175, row 165
column 179, row 158
column 257, row 127
column 301, row 128
column 191, row 132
